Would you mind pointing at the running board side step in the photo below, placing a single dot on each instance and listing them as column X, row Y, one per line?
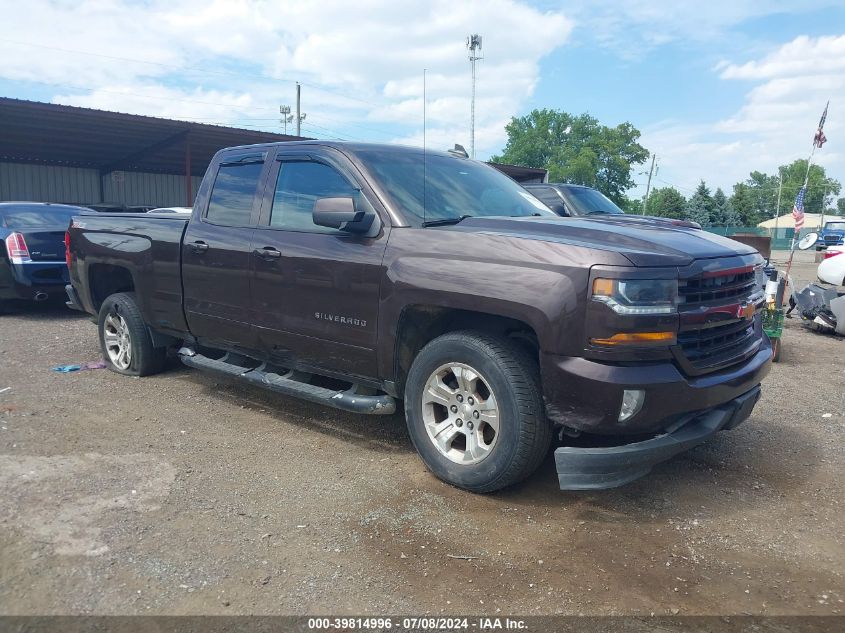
column 289, row 385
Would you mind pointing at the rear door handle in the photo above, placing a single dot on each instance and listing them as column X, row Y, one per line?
column 267, row 253
column 199, row 246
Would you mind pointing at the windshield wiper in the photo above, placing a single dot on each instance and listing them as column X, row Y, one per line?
column 446, row 221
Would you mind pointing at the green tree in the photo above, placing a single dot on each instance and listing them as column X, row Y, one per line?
column 763, row 191
column 840, row 206
column 723, row 212
column 576, row 149
column 632, row 205
column 696, row 210
column 667, row 203
column 700, row 207
column 742, row 203
column 759, row 193
column 820, row 189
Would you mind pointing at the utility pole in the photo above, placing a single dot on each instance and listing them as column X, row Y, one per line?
column 286, row 116
column 474, row 46
column 299, row 117
column 648, row 185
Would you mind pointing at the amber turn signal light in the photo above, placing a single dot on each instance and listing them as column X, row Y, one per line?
column 635, row 338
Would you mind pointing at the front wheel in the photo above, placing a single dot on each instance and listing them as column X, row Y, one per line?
column 125, row 340
column 475, row 412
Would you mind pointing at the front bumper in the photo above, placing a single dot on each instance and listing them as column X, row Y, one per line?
column 609, row 467
column 586, row 395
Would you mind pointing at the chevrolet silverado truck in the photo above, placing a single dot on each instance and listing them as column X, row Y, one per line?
column 362, row 276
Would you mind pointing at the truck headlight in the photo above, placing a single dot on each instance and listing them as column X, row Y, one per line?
column 637, row 296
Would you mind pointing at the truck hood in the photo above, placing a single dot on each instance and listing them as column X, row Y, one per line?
column 640, row 240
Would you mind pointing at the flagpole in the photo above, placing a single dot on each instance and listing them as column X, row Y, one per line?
column 809, row 164
column 818, row 140
column 797, row 232
column 777, row 208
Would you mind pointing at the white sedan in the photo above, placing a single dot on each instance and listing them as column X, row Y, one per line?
column 832, row 269
column 181, row 210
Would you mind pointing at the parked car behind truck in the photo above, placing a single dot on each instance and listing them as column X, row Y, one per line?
column 569, row 200
column 32, row 250
column 363, row 276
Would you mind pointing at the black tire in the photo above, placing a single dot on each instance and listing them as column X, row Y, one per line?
column 145, row 359
column 524, row 434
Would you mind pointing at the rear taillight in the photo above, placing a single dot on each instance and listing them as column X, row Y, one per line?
column 67, row 248
column 16, row 249
column 832, row 252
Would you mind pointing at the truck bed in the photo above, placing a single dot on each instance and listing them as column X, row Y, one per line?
column 148, row 246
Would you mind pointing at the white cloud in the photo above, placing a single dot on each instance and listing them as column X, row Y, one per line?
column 159, row 101
column 804, row 56
column 361, row 63
column 775, row 125
column 633, row 28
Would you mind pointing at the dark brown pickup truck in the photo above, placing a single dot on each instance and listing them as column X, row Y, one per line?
column 359, row 275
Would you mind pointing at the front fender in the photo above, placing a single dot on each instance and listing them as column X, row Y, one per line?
column 528, row 281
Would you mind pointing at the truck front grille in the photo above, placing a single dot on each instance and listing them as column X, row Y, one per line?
column 718, row 324
column 735, row 284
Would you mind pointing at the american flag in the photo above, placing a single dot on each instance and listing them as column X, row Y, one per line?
column 798, row 209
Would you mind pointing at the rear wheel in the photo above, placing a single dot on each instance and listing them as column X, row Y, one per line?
column 475, row 411
column 125, row 340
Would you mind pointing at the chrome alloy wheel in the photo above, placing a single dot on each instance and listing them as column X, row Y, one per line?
column 460, row 413
column 118, row 342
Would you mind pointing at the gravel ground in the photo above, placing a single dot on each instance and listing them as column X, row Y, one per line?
column 183, row 493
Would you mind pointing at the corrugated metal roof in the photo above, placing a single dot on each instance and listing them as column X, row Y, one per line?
column 50, row 134
column 521, row 173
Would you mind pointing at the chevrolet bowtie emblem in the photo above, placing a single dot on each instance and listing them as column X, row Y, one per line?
column 745, row 311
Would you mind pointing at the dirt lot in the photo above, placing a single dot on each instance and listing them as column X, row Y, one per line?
column 182, row 493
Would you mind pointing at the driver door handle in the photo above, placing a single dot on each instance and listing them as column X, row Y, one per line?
column 199, row 246
column 268, row 253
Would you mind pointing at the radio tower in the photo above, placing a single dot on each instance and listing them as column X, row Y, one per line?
column 474, row 46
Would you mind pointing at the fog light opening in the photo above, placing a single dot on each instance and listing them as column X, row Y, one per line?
column 632, row 402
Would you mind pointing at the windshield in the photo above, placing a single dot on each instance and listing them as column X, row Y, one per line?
column 589, row 201
column 452, row 187
column 835, row 226
column 28, row 217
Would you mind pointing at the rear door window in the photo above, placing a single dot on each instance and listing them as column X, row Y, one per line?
column 233, row 194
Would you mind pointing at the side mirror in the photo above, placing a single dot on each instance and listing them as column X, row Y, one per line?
column 808, row 241
column 340, row 213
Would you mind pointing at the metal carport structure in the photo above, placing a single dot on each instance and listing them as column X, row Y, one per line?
column 58, row 153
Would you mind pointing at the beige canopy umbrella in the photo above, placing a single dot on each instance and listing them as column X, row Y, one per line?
column 811, row 221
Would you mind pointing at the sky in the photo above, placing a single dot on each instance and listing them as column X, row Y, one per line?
column 717, row 88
